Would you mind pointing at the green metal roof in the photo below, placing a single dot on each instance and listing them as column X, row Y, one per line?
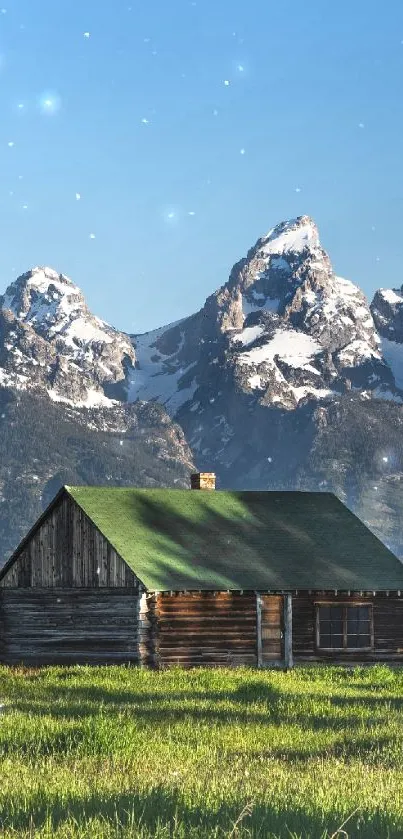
column 176, row 539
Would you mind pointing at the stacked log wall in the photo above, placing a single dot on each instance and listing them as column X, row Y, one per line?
column 204, row 629
column 69, row 626
column 388, row 627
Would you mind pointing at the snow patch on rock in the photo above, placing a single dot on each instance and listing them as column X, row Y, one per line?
column 390, row 295
column 158, row 376
column 295, row 348
column 247, row 336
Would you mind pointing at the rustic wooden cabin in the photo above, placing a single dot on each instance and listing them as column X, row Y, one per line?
column 161, row 577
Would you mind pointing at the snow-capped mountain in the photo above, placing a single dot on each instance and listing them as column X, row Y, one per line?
column 284, row 328
column 286, row 378
column 50, row 341
column 283, row 332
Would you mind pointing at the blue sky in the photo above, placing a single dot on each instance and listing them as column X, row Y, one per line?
column 122, row 127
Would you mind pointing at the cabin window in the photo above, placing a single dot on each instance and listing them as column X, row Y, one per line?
column 344, row 626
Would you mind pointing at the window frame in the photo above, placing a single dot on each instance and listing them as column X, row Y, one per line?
column 344, row 604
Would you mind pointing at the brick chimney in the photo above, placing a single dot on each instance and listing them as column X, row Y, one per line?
column 202, row 480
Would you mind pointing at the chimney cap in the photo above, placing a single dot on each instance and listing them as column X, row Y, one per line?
column 202, row 480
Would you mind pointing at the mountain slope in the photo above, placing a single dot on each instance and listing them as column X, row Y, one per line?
column 44, row 445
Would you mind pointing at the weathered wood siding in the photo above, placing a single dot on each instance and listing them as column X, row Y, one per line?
column 67, row 551
column 388, row 627
column 69, row 626
column 203, row 629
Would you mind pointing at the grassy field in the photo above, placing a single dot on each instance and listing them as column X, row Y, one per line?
column 119, row 752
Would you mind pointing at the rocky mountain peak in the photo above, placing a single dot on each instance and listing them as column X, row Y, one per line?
column 285, row 330
column 295, row 235
column 287, row 280
column 45, row 299
column 39, row 293
column 281, row 262
column 64, row 349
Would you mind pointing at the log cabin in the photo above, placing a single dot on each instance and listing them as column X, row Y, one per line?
column 200, row 577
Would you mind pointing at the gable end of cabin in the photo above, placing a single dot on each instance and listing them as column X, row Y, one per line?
column 66, row 595
column 65, row 549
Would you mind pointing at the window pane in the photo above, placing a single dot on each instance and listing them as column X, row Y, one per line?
column 327, row 613
column 358, row 627
column 331, row 640
column 358, row 641
column 361, row 613
column 334, row 627
column 331, row 627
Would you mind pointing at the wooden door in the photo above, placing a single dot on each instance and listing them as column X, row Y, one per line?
column 270, row 610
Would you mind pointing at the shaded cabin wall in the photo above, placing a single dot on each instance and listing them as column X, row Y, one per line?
column 68, row 626
column 388, row 627
column 67, row 551
column 68, row 597
column 200, row 629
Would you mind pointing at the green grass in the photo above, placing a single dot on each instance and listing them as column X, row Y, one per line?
column 119, row 752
